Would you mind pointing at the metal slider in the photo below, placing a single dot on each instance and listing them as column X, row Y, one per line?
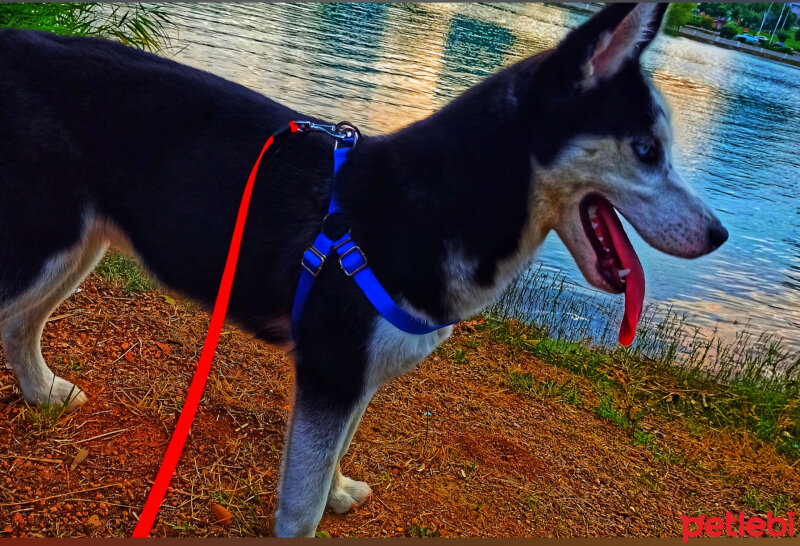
column 318, row 254
column 353, row 248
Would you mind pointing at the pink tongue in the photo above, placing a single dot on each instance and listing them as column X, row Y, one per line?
column 634, row 282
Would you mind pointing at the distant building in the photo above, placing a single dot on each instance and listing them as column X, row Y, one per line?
column 719, row 22
column 795, row 7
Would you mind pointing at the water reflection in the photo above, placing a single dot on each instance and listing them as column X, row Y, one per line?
column 386, row 65
column 473, row 51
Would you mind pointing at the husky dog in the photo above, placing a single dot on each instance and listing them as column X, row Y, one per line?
column 103, row 144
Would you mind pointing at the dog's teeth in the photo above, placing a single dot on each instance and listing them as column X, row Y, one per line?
column 600, row 239
column 595, row 225
column 623, row 273
column 592, row 210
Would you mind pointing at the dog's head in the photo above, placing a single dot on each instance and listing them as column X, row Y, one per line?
column 608, row 146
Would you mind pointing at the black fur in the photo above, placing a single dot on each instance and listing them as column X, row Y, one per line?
column 164, row 151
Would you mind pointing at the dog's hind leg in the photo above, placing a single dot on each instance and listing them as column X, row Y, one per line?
column 23, row 319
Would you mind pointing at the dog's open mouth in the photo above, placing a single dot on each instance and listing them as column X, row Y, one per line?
column 617, row 262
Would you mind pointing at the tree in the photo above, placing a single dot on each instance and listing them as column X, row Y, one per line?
column 749, row 15
column 790, row 20
column 728, row 32
column 713, row 9
column 782, row 35
column 677, row 15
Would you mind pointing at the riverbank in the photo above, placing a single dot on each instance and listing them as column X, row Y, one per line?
column 580, row 7
column 713, row 38
column 501, row 432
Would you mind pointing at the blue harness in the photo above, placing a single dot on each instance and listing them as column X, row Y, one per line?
column 352, row 259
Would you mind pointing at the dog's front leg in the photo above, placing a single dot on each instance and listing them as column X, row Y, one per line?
column 314, row 441
column 345, row 493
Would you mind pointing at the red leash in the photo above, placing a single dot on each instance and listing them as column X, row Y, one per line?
column 184, row 424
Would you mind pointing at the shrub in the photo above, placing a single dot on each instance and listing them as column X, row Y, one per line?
column 707, row 23
column 779, row 49
column 728, row 32
column 782, row 35
column 797, row 35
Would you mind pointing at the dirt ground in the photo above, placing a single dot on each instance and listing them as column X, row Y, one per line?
column 449, row 449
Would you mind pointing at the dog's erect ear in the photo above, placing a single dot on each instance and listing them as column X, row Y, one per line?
column 618, row 34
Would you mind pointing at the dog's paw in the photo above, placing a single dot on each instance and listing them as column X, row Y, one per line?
column 61, row 392
column 347, row 494
column 358, row 490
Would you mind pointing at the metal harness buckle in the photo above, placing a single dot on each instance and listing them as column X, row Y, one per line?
column 310, row 267
column 350, row 250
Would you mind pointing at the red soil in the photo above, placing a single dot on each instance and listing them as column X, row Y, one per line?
column 485, row 462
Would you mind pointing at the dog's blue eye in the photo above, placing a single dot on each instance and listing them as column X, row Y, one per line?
column 646, row 151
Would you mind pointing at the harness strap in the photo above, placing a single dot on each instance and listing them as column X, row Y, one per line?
column 353, row 262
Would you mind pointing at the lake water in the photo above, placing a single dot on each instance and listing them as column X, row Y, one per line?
column 382, row 66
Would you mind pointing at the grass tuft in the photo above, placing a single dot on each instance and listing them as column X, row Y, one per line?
column 124, row 270
column 420, row 531
column 46, row 417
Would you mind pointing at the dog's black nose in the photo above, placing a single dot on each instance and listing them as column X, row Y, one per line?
column 717, row 234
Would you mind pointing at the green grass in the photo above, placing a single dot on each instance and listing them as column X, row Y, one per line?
column 750, row 383
column 243, row 501
column 45, row 417
column 138, row 25
column 606, row 411
column 420, row 531
column 565, row 320
column 523, row 383
column 761, row 502
column 124, row 270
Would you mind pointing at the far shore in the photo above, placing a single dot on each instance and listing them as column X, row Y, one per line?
column 713, row 38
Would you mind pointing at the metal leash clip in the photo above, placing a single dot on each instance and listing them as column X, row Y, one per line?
column 340, row 131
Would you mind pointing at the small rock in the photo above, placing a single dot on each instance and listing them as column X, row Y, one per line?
column 221, row 514
column 18, row 520
column 93, row 522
